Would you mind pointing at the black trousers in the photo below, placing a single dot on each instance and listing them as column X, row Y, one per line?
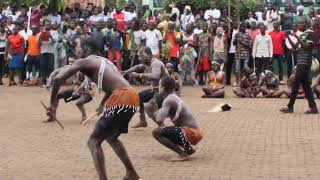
column 279, row 58
column 1, row 64
column 262, row 64
column 229, row 64
column 292, row 61
column 301, row 77
column 32, row 61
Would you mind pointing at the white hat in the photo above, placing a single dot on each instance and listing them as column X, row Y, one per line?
column 187, row 8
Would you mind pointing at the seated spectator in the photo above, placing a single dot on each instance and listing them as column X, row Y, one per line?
column 214, row 87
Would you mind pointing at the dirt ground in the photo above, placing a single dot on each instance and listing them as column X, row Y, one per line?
column 253, row 141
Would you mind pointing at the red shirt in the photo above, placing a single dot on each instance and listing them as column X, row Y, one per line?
column 15, row 44
column 120, row 20
column 277, row 41
column 174, row 45
column 35, row 18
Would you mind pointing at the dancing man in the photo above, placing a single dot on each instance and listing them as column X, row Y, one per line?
column 120, row 100
column 185, row 131
column 155, row 71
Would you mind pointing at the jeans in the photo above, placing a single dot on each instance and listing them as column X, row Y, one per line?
column 46, row 64
column 279, row 58
column 301, row 77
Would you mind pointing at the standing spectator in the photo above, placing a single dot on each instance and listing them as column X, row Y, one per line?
column 174, row 39
column 46, row 42
column 290, row 53
column 36, row 15
column 318, row 12
column 243, row 44
column 203, row 63
column 213, row 14
column 130, row 14
column 54, row 17
column 137, row 40
column 273, row 15
column 316, row 38
column 107, row 13
column 10, row 24
column 33, row 53
column 251, row 18
column 96, row 16
column 119, row 17
column 153, row 39
column 99, row 38
column 188, row 36
column 300, row 15
column 287, row 18
column 3, row 41
column 23, row 17
column 25, row 33
column 304, row 48
column 259, row 13
column 231, row 53
column 311, row 14
column 163, row 25
column 186, row 18
column 219, row 42
column 278, row 38
column 262, row 51
column 253, row 31
column 200, row 16
column 14, row 51
column 115, row 40
column 55, row 35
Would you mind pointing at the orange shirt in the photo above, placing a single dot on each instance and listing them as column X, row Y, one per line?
column 33, row 48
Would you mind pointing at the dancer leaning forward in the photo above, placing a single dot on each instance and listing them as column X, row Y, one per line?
column 120, row 100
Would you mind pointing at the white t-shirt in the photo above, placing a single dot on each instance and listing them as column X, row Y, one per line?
column 128, row 16
column 214, row 13
column 152, row 40
column 139, row 36
column 56, row 19
column 95, row 18
column 233, row 47
column 25, row 34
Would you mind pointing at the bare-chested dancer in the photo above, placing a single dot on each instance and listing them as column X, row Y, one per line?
column 120, row 100
column 185, row 131
column 271, row 88
column 316, row 86
column 157, row 71
column 214, row 87
column 248, row 85
column 174, row 75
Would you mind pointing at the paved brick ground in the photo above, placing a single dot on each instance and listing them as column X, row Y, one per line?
column 253, row 141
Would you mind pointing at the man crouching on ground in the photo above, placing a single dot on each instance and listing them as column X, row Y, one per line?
column 185, row 132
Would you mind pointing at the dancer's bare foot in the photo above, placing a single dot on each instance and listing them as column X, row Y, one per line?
column 140, row 125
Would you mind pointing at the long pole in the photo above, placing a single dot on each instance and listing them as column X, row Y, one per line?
column 229, row 16
column 29, row 18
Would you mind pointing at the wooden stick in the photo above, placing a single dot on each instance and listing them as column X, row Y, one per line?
column 92, row 116
column 45, row 107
